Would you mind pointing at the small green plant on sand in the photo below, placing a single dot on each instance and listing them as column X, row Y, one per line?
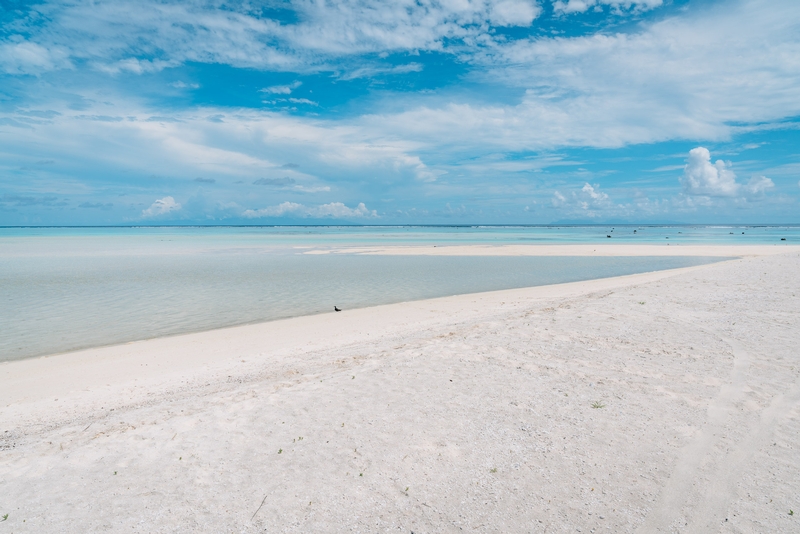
column 641, row 302
column 598, row 404
column 280, row 451
column 5, row 516
column 791, row 512
column 493, row 470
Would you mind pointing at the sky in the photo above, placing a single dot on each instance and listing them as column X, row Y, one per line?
column 399, row 112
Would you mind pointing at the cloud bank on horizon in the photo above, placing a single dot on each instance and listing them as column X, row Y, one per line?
column 360, row 111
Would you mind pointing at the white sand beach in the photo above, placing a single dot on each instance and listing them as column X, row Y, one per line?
column 658, row 402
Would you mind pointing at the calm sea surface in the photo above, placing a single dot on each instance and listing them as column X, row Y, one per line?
column 63, row 289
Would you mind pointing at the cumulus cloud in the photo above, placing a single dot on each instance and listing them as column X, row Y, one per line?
column 701, row 177
column 161, row 206
column 758, row 185
column 589, row 200
column 334, row 210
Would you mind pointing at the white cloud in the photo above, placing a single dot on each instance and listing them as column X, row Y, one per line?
column 183, row 85
column 311, row 189
column 588, row 201
column 161, row 206
column 303, row 101
column 687, row 76
column 758, row 185
column 108, row 34
column 135, row 66
column 514, row 12
column 593, row 194
column 24, row 57
column 701, row 177
column 335, row 210
column 281, row 89
column 364, row 26
column 580, row 6
column 370, row 71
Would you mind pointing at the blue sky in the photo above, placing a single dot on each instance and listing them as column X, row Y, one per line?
column 421, row 112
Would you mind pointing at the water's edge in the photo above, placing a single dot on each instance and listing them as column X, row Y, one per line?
column 77, row 303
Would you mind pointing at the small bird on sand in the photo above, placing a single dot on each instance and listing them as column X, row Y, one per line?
column 336, row 308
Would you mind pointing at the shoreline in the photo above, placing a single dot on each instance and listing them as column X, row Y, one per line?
column 46, row 376
column 71, row 327
column 128, row 351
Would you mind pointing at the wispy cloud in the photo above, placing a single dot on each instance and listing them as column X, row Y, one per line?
column 96, row 205
column 376, row 70
column 333, row 210
column 580, row 6
column 281, row 89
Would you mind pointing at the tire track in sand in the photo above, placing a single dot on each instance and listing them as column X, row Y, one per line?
column 679, row 487
column 709, row 514
column 673, row 509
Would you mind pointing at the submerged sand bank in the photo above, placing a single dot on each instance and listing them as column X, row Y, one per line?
column 462, row 413
column 602, row 249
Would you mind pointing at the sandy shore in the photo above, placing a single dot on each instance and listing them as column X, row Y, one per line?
column 660, row 402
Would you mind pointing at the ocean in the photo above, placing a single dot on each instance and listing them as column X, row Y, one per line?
column 64, row 289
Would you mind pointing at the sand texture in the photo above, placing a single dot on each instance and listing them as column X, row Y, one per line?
column 662, row 402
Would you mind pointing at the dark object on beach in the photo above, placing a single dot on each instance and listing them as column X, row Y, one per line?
column 608, row 236
column 634, row 231
column 783, row 239
column 336, row 308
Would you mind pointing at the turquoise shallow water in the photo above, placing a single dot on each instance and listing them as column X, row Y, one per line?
column 66, row 289
column 335, row 236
